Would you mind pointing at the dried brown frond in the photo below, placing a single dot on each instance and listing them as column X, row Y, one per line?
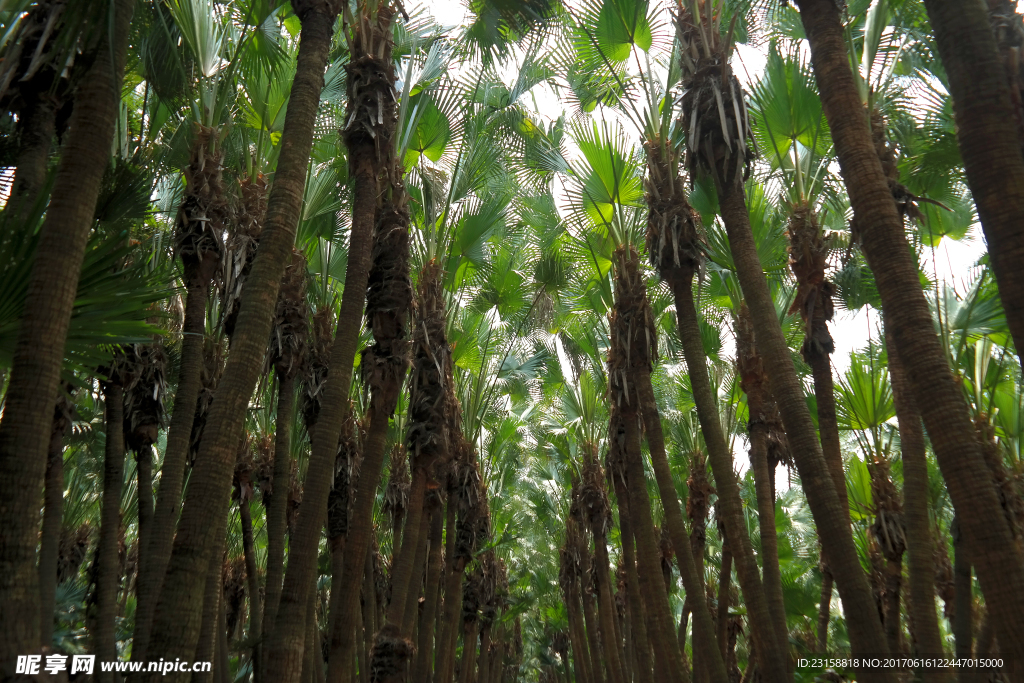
column 675, row 240
column 242, row 242
column 72, row 551
column 888, row 530
column 808, row 258
column 714, row 112
column 318, row 361
column 763, row 411
column 291, row 320
column 204, row 213
column 633, row 343
column 144, row 391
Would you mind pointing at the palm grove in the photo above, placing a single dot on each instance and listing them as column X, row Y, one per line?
column 337, row 344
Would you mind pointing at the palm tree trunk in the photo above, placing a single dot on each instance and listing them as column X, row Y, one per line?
column 986, row 123
column 175, row 626
column 36, row 128
column 996, row 557
column 606, row 611
column 666, row 649
column 427, row 632
column 144, row 475
column 771, row 655
column 107, row 563
column 824, row 610
column 637, row 621
column 53, row 511
column 221, row 667
column 865, row 629
column 253, row 576
column 724, row 576
column 53, row 283
column 277, row 511
column 763, row 422
column 920, row 547
column 470, row 636
column 445, row 668
column 577, row 633
column 963, row 621
column 590, row 619
column 168, row 502
column 206, row 649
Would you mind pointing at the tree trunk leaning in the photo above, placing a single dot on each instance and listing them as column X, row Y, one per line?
column 53, row 283
column 998, row 561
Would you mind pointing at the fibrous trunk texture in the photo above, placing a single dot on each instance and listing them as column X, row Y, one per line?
column 674, row 248
column 39, row 352
column 920, row 545
column 53, row 510
column 767, row 446
column 631, row 353
column 106, row 566
column 176, row 624
column 997, row 558
column 986, row 100
column 201, row 217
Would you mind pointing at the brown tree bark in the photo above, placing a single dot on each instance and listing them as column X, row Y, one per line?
column 824, row 610
column 997, row 558
column 635, row 603
column 865, row 629
column 986, row 127
column 724, row 578
column 427, row 632
column 107, row 563
column 920, row 546
column 762, row 620
column 168, row 501
column 39, row 353
column 176, row 625
column 277, row 511
column 253, row 580
column 666, row 649
column 53, row 512
column 611, row 645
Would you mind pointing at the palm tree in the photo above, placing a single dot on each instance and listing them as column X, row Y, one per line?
column 196, row 537
column 718, row 146
column 999, row 563
column 971, row 56
column 24, row 429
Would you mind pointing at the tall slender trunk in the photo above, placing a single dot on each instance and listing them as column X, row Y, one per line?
column 762, row 618
column 635, row 604
column 175, row 628
column 427, row 633
column 920, row 546
column 998, row 561
column 470, row 636
column 144, row 477
column 963, row 621
column 53, row 511
column 724, row 576
column 666, row 650
column 107, row 569
column 824, row 609
column 213, row 604
column 764, row 431
column 590, row 620
column 445, row 668
column 986, row 125
column 277, row 511
column 168, row 501
column 606, row 612
column 39, row 352
column 865, row 629
column 253, row 578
